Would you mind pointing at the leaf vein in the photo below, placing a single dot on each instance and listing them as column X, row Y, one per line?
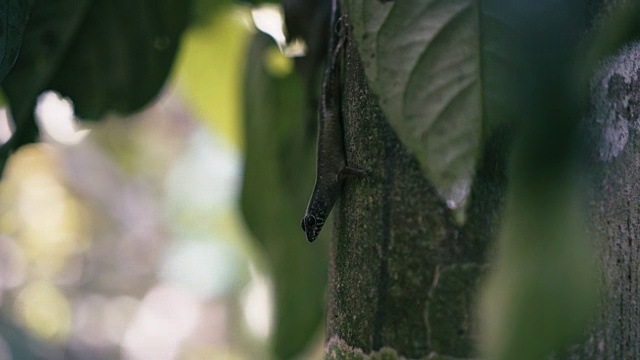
column 423, row 132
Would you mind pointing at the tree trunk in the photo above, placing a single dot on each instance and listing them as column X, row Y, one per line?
column 404, row 275
column 615, row 207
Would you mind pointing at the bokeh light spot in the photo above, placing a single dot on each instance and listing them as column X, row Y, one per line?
column 55, row 114
column 209, row 269
column 45, row 311
column 6, row 125
column 277, row 64
column 269, row 19
column 12, row 264
column 257, row 306
column 165, row 318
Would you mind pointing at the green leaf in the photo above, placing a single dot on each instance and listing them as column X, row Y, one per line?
column 440, row 69
column 258, row 2
column 121, row 55
column 218, row 44
column 14, row 15
column 105, row 55
column 541, row 294
column 278, row 179
column 51, row 28
column 204, row 11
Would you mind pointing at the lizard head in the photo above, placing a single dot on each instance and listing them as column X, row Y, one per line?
column 311, row 226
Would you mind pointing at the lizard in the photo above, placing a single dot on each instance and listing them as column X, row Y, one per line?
column 331, row 165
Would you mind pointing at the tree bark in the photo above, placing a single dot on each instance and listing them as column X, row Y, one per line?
column 403, row 274
column 613, row 127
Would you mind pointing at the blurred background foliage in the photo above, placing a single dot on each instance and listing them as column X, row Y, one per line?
column 124, row 237
column 169, row 229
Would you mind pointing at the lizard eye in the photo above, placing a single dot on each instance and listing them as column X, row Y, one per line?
column 309, row 221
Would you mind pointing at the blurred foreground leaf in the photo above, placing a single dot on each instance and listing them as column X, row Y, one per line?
column 105, row 55
column 13, row 19
column 542, row 290
column 278, row 177
column 50, row 30
column 209, row 70
column 121, row 56
column 204, row 11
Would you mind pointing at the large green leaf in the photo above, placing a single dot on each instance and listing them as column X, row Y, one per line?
column 105, row 55
column 13, row 19
column 440, row 69
column 121, row 55
column 278, row 178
